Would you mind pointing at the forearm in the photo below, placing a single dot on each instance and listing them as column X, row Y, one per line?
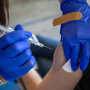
column 60, row 80
column 32, row 80
column 54, row 80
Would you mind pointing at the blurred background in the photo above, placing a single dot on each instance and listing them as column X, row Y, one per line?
column 36, row 16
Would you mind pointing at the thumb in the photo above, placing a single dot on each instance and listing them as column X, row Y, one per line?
column 18, row 27
column 59, row 58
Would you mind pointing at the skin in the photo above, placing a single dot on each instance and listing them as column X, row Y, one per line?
column 56, row 79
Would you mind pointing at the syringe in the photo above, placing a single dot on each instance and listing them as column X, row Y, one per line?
column 32, row 40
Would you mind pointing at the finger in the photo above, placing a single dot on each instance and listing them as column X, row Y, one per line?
column 23, row 57
column 18, row 27
column 75, row 52
column 23, row 69
column 66, row 48
column 16, row 48
column 27, row 66
column 84, row 56
column 13, row 37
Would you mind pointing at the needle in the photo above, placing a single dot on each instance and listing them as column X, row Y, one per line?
column 47, row 47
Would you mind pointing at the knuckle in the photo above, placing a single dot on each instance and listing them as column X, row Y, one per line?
column 28, row 44
column 33, row 61
column 21, row 33
column 28, row 53
column 16, row 46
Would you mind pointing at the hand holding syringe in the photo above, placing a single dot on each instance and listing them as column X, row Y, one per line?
column 32, row 40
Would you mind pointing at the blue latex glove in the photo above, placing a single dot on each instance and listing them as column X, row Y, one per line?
column 15, row 56
column 75, row 35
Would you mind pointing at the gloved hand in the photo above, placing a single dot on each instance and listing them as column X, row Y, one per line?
column 76, row 34
column 15, row 56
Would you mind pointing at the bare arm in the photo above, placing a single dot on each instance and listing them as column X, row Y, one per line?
column 56, row 79
column 32, row 80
